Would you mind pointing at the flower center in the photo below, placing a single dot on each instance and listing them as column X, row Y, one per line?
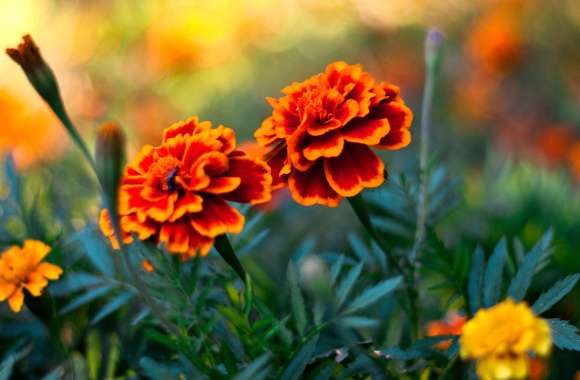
column 312, row 102
column 163, row 173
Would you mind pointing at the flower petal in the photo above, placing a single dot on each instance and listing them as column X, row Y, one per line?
column 186, row 127
column 187, row 203
column 175, row 236
column 37, row 251
column 256, row 180
column 400, row 118
column 355, row 169
column 311, row 187
column 16, row 300
column 365, row 131
column 217, row 218
column 160, row 210
column 221, row 185
column 328, row 145
column 6, row 290
column 50, row 271
column 36, row 282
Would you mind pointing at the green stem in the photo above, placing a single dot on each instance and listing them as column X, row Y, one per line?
column 445, row 374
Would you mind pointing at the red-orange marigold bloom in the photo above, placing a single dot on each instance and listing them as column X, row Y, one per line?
column 451, row 325
column 175, row 193
column 320, row 134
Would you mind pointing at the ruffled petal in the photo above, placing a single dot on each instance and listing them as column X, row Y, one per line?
column 256, row 180
column 160, row 210
column 365, row 131
column 222, row 185
column 400, row 118
column 37, row 251
column 328, row 145
column 311, row 187
column 187, row 203
column 296, row 144
column 217, row 218
column 186, row 127
column 355, row 169
column 175, row 236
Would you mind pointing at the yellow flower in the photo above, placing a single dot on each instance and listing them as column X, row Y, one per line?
column 501, row 338
column 22, row 268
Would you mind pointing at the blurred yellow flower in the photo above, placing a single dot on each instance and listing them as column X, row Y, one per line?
column 501, row 338
column 22, row 268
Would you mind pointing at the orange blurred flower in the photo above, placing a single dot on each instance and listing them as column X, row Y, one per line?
column 175, row 193
column 574, row 160
column 537, row 369
column 22, row 268
column 29, row 133
column 496, row 40
column 451, row 325
column 553, row 144
column 148, row 266
column 321, row 131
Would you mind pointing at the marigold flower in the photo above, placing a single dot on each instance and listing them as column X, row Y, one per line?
column 175, row 193
column 22, row 268
column 451, row 325
column 320, row 134
column 501, row 338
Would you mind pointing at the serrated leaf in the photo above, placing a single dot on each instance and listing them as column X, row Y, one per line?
column 493, row 274
column 73, row 282
column 555, row 293
column 347, row 283
column 357, row 322
column 296, row 299
column 373, row 294
column 476, row 280
column 255, row 369
column 300, row 361
column 564, row 335
column 523, row 278
column 112, row 306
column 87, row 297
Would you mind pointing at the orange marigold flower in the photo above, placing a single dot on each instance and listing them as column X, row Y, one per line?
column 22, row 268
column 175, row 193
column 320, row 134
column 451, row 325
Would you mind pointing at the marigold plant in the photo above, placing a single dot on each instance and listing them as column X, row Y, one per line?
column 501, row 338
column 176, row 193
column 23, row 268
column 321, row 133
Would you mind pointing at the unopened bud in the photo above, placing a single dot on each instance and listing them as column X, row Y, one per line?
column 109, row 160
column 433, row 43
column 40, row 75
column 315, row 276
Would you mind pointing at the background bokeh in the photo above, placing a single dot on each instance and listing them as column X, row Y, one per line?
column 506, row 112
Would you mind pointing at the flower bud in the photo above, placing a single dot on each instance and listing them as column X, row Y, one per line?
column 433, row 43
column 315, row 276
column 40, row 75
column 109, row 160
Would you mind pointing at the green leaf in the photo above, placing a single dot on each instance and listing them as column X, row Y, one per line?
column 347, row 283
column 87, row 297
column 296, row 300
column 357, row 322
column 73, row 282
column 523, row 278
column 360, row 249
column 223, row 246
column 335, row 269
column 300, row 361
column 493, row 274
column 564, row 335
column 97, row 250
column 6, row 367
column 555, row 293
column 476, row 280
column 55, row 374
column 256, row 369
column 155, row 370
column 114, row 304
column 373, row 294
